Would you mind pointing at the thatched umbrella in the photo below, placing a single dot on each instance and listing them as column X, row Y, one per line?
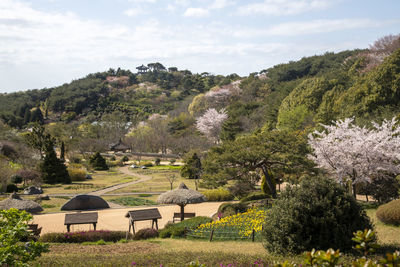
column 14, row 201
column 85, row 202
column 181, row 196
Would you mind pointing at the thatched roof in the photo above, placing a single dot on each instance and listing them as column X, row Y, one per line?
column 181, row 196
column 14, row 201
column 85, row 202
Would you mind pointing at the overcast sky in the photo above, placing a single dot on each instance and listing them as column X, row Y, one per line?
column 45, row 43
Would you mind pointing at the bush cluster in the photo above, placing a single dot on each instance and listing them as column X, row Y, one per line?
column 229, row 209
column 77, row 174
column 84, row 236
column 219, row 194
column 98, row 162
column 389, row 213
column 11, row 188
column 178, row 229
column 254, row 196
column 145, row 234
column 16, row 179
column 317, row 214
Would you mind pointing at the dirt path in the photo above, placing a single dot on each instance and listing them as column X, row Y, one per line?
column 124, row 170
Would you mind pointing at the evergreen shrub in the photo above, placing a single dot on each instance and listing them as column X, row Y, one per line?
column 254, row 196
column 178, row 229
column 98, row 162
column 228, row 209
column 11, row 188
column 319, row 213
column 84, row 236
column 16, row 179
column 145, row 234
column 389, row 213
column 219, row 194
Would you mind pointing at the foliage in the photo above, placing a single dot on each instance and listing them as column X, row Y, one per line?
column 178, row 229
column 382, row 189
column 319, row 209
column 125, row 158
column 366, row 241
column 243, row 158
column 359, row 154
column 228, row 209
column 84, row 236
column 98, row 162
column 389, row 213
column 192, row 168
column 157, row 161
column 13, row 229
column 219, row 194
column 52, row 168
column 264, row 184
column 77, row 174
column 133, row 201
column 11, row 188
column 145, row 234
column 254, row 196
column 236, row 226
column 16, row 179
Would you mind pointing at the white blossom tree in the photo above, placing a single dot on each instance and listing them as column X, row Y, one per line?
column 210, row 123
column 350, row 152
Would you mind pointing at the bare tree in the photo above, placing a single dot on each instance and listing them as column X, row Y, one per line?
column 5, row 173
column 171, row 179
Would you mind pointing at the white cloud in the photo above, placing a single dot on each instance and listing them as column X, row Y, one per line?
column 218, row 4
column 197, row 12
column 284, row 7
column 134, row 11
column 143, row 1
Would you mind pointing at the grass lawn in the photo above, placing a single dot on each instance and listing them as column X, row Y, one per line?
column 101, row 179
column 387, row 234
column 158, row 182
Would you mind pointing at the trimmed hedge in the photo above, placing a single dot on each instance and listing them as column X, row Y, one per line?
column 84, row 236
column 229, row 209
column 178, row 229
column 77, row 174
column 145, row 234
column 389, row 213
column 254, row 196
column 219, row 194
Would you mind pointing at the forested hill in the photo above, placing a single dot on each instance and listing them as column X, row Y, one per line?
column 295, row 95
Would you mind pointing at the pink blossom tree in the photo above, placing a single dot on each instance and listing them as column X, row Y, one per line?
column 349, row 152
column 210, row 123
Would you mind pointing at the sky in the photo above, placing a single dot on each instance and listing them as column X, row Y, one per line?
column 46, row 43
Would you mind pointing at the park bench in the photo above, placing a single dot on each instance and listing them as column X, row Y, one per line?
column 177, row 216
column 142, row 215
column 81, row 218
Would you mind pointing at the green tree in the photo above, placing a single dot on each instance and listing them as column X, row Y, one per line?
column 13, row 229
column 98, row 162
column 52, row 168
column 38, row 138
column 62, row 151
column 192, row 168
column 242, row 159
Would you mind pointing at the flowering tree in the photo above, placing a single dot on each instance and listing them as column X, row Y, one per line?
column 348, row 151
column 210, row 123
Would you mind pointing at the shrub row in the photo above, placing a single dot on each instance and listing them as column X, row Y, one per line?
column 178, row 229
column 77, row 174
column 145, row 234
column 84, row 236
column 219, row 194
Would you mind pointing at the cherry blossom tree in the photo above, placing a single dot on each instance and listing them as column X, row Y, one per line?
column 210, row 123
column 358, row 154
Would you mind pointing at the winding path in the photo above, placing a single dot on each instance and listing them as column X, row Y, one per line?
column 124, row 170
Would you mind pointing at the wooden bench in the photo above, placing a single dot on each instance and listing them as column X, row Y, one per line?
column 177, row 216
column 35, row 229
column 142, row 215
column 81, row 218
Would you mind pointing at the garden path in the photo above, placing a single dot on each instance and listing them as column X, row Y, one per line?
column 124, row 170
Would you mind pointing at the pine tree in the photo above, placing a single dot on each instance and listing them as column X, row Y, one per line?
column 52, row 168
column 98, row 162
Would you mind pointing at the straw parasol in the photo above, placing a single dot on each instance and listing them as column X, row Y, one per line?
column 85, row 202
column 14, row 201
column 181, row 196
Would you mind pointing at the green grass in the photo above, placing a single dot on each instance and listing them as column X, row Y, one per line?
column 165, row 167
column 132, row 201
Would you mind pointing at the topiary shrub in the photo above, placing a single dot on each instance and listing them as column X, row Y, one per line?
column 98, row 162
column 389, row 213
column 229, row 209
column 11, row 188
column 178, row 229
column 77, row 174
column 219, row 194
column 125, row 159
column 145, row 234
column 319, row 213
column 157, row 161
column 16, row 179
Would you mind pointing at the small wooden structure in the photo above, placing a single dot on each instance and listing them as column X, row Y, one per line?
column 177, row 216
column 143, row 215
column 142, row 69
column 81, row 218
column 119, row 146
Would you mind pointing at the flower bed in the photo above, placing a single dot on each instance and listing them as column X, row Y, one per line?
column 239, row 226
